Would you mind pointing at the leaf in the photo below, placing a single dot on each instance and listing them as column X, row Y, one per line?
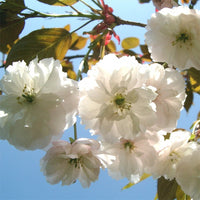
column 66, row 65
column 144, row 1
column 143, row 177
column 144, row 49
column 44, row 43
column 130, row 43
column 189, row 99
column 180, row 195
column 13, row 6
column 156, row 197
column 67, row 27
column 166, row 189
column 59, row 2
column 129, row 52
column 9, row 33
column 10, row 24
column 71, row 74
column 78, row 42
column 194, row 77
column 111, row 47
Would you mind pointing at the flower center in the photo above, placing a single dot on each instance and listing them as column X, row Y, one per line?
column 28, row 95
column 119, row 100
column 182, row 38
column 128, row 145
column 121, row 103
column 174, row 157
column 76, row 162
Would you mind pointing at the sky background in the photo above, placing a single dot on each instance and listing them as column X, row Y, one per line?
column 20, row 176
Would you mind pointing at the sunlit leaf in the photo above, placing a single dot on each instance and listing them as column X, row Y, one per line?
column 92, row 62
column 111, row 47
column 143, row 177
column 66, row 65
column 78, row 42
column 59, row 2
column 10, row 24
column 194, row 76
column 129, row 52
column 67, row 27
column 130, row 43
column 189, row 98
column 180, row 195
column 43, row 43
column 71, row 74
column 167, row 189
column 156, row 197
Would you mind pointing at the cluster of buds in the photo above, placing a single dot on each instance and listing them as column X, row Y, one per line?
column 106, row 24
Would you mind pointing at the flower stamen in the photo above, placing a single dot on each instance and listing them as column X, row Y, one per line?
column 28, row 95
column 181, row 38
column 121, row 103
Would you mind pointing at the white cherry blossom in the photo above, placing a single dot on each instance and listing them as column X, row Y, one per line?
column 133, row 157
column 188, row 174
column 170, row 88
column 173, row 37
column 38, row 104
column 171, row 152
column 114, row 100
column 67, row 162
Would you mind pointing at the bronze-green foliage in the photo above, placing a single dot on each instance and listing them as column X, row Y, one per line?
column 43, row 43
column 130, row 42
column 59, row 2
column 166, row 189
column 11, row 24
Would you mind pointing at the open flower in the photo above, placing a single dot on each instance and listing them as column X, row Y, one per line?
column 68, row 162
column 173, row 37
column 171, row 152
column 38, row 104
column 114, row 101
column 170, row 87
column 133, row 158
column 188, row 174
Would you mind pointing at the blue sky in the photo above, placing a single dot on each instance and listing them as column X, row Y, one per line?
column 20, row 176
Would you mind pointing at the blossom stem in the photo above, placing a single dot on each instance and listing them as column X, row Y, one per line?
column 119, row 21
column 75, row 132
column 82, row 26
column 94, row 10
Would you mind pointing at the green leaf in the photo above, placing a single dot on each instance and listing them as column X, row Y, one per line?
column 156, row 197
column 144, row 1
column 9, row 33
column 130, row 43
column 166, row 189
column 189, row 99
column 194, row 76
column 78, row 42
column 13, row 6
column 43, row 43
column 111, row 47
column 180, row 195
column 10, row 24
column 143, row 177
column 59, row 2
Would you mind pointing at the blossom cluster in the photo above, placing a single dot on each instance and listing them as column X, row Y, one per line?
column 132, row 108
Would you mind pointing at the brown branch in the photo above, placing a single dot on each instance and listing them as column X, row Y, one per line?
column 124, row 22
